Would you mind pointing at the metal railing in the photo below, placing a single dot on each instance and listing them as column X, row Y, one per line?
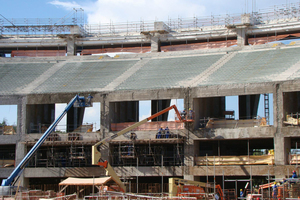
column 42, row 26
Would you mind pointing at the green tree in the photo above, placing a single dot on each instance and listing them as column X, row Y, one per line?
column 4, row 122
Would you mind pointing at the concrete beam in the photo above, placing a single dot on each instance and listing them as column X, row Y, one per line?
column 61, row 172
column 71, row 47
column 240, row 133
column 155, row 43
column 5, row 172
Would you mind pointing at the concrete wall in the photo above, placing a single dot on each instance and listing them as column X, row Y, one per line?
column 64, row 172
column 283, row 92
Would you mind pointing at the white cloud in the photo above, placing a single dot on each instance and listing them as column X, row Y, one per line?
column 65, row 5
column 106, row 11
column 129, row 10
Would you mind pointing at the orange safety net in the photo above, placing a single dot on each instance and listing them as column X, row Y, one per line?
column 37, row 53
column 118, row 49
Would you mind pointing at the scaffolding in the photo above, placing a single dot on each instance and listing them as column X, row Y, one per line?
column 54, row 26
column 147, row 152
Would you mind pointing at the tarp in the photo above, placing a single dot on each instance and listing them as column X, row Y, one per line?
column 87, row 181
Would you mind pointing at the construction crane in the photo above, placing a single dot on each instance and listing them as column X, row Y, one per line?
column 96, row 154
column 77, row 101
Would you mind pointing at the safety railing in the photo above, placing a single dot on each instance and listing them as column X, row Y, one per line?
column 41, row 128
column 149, row 126
column 41, row 26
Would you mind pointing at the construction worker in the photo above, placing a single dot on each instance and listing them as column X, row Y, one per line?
column 241, row 193
column 191, row 113
column 160, row 131
column 294, row 174
column 275, row 190
column 133, row 136
column 183, row 114
column 167, row 132
column 89, row 100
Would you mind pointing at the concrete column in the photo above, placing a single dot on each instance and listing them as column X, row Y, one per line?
column 21, row 115
column 155, row 43
column 279, row 140
column 105, row 116
column 287, row 149
column 279, row 149
column 71, row 47
column 248, row 105
column 241, row 30
column 278, row 111
column 158, row 105
column 242, row 38
column 21, row 151
column 188, row 159
column 74, row 118
column 197, row 108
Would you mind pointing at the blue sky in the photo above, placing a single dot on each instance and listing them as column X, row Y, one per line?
column 102, row 11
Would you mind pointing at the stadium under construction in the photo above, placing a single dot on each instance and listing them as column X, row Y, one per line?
column 205, row 63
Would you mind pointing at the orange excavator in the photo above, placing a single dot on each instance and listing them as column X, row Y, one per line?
column 96, row 154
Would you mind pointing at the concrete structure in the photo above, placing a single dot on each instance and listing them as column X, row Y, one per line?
column 203, row 78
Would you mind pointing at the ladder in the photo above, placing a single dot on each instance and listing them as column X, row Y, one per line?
column 267, row 111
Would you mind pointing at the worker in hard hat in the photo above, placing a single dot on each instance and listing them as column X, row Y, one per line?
column 160, row 132
column 167, row 132
column 294, row 174
column 241, row 193
column 183, row 114
column 275, row 190
column 191, row 113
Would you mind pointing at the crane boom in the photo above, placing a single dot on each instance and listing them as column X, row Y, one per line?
column 78, row 101
column 96, row 154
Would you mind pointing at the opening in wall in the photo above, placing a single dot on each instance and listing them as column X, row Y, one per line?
column 90, row 118
column 8, row 119
column 234, row 111
column 126, row 113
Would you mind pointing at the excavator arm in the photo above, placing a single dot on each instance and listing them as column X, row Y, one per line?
column 96, row 154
